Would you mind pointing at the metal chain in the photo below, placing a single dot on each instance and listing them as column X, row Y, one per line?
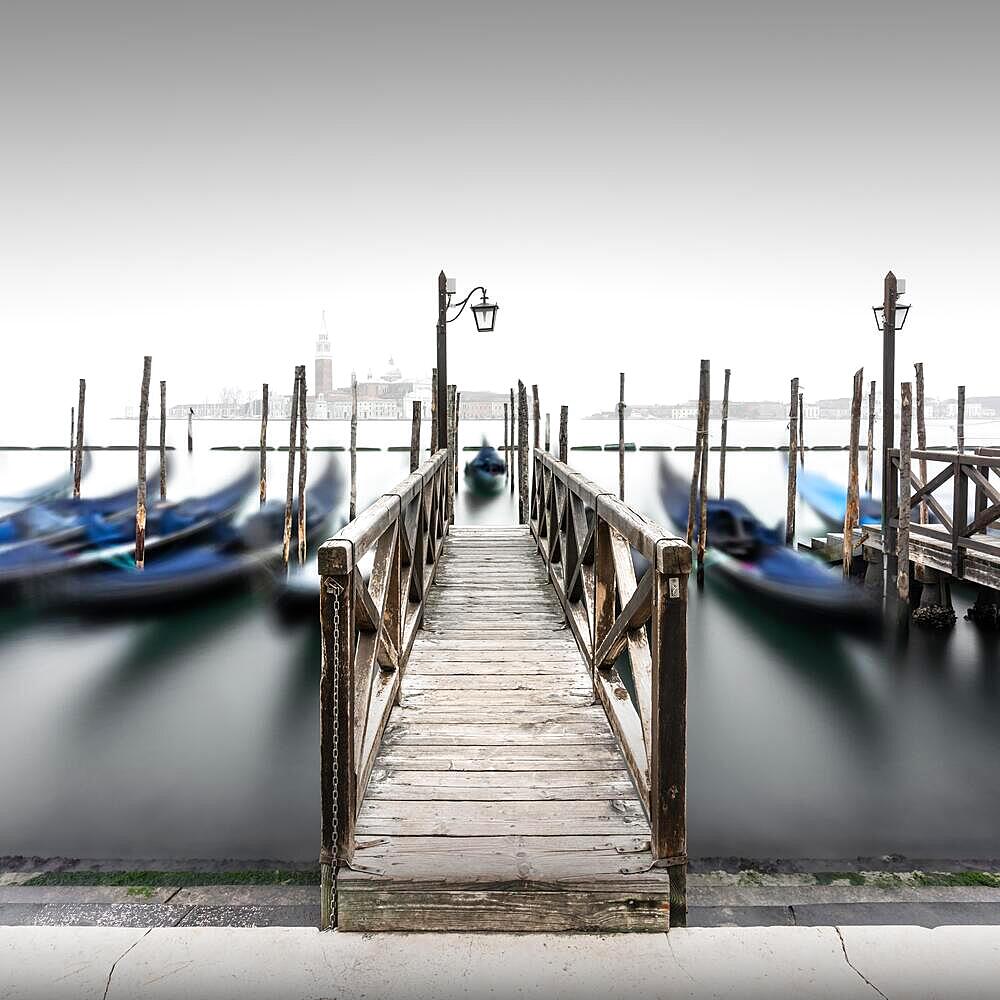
column 335, row 591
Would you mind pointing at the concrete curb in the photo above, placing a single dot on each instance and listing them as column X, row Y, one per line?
column 238, row 964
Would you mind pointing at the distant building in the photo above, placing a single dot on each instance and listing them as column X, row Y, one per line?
column 482, row 405
column 323, row 384
column 686, row 412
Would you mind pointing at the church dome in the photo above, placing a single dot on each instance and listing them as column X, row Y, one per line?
column 392, row 373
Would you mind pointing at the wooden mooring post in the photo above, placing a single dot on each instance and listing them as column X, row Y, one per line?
column 290, row 481
column 72, row 431
column 802, row 432
column 793, row 426
column 871, row 439
column 506, row 440
column 536, row 417
column 723, row 436
column 455, row 448
column 522, row 453
column 163, row 440
column 693, row 504
column 918, row 369
column 960, row 425
column 353, row 509
column 564, row 434
column 903, row 534
column 434, row 411
column 303, row 452
column 415, row 436
column 705, row 406
column 621, row 435
column 548, row 432
column 263, row 444
column 140, row 496
column 452, row 456
column 78, row 461
column 190, row 429
column 852, row 513
column 513, row 424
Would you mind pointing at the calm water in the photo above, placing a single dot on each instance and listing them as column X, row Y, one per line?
column 196, row 734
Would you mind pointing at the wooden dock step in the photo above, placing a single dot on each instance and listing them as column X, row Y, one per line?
column 499, row 799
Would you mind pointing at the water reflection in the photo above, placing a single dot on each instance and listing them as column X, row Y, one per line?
column 195, row 733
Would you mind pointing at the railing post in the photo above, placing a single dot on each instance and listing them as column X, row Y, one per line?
column 668, row 744
column 959, row 519
column 604, row 585
column 338, row 774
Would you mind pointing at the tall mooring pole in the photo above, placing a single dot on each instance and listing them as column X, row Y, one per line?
column 890, row 493
column 442, row 363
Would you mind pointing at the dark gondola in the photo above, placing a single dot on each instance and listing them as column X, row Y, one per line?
column 755, row 559
column 100, row 539
column 236, row 555
column 485, row 472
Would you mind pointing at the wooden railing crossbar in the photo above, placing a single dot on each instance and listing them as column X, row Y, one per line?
column 587, row 537
column 368, row 628
column 957, row 526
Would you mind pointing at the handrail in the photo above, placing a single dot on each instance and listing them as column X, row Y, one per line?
column 960, row 529
column 368, row 628
column 587, row 537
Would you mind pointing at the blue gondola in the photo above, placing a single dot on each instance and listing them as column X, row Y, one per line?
column 829, row 500
column 56, row 487
column 103, row 532
column 234, row 555
column 485, row 472
column 752, row 556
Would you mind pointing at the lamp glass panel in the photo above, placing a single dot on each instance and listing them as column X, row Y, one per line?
column 485, row 315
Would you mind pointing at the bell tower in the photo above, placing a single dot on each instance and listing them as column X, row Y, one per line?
column 323, row 383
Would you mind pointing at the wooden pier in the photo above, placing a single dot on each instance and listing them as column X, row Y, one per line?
column 483, row 766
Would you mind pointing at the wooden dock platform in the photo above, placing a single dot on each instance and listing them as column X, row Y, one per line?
column 483, row 766
column 499, row 799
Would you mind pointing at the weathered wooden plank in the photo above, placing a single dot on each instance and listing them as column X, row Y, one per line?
column 505, row 757
column 519, row 696
column 466, row 861
column 486, row 786
column 445, row 818
column 552, row 715
column 497, row 910
column 530, row 682
column 497, row 734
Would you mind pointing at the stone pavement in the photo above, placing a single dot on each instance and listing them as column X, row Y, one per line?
column 765, row 963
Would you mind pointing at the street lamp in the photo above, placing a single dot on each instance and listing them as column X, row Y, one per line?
column 485, row 315
column 889, row 317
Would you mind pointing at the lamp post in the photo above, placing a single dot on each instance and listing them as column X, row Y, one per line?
column 889, row 317
column 485, row 315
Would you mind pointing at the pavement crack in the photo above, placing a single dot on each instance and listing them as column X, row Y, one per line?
column 791, row 910
column 843, row 948
column 114, row 964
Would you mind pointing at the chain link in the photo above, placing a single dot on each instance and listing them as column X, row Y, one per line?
column 335, row 591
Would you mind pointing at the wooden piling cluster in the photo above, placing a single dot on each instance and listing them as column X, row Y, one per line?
column 564, row 434
column 903, row 532
column 698, row 499
column 871, row 439
column 303, row 453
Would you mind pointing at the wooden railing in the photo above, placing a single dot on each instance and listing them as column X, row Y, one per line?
column 587, row 537
column 368, row 628
column 964, row 530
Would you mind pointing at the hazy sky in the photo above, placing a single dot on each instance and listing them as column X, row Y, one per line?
column 639, row 185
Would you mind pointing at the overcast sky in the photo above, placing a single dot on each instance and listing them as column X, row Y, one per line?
column 638, row 184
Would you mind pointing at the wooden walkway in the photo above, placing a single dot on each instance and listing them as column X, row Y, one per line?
column 483, row 765
column 499, row 799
